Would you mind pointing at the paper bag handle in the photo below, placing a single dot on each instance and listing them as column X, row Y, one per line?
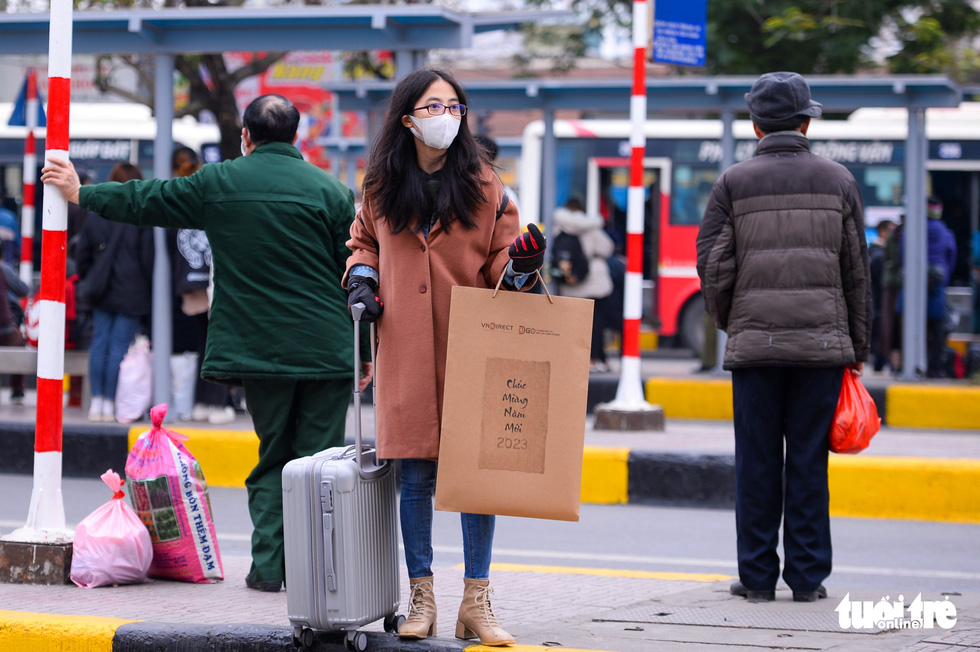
column 540, row 278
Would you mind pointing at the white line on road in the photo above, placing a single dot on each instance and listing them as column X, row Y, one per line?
column 639, row 559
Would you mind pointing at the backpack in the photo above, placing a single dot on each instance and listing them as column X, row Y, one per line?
column 569, row 261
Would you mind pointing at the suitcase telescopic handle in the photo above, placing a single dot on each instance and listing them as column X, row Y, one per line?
column 356, row 311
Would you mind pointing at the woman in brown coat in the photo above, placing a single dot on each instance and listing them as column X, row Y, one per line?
column 434, row 216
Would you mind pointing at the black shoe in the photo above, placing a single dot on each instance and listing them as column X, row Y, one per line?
column 737, row 588
column 268, row 587
column 810, row 596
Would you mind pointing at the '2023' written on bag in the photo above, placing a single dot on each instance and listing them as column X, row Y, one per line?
column 513, row 427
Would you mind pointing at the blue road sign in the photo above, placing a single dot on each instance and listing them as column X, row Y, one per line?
column 680, row 32
column 18, row 117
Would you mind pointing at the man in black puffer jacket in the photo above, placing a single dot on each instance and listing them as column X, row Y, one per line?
column 784, row 271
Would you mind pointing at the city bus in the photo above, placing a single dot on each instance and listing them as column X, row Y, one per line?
column 682, row 163
column 101, row 135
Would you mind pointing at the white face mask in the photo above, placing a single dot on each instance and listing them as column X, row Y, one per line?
column 437, row 131
column 244, row 151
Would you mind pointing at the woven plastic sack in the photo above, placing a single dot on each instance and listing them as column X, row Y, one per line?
column 112, row 546
column 856, row 418
column 170, row 496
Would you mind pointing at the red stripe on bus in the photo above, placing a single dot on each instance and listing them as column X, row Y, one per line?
column 634, row 252
column 53, row 266
column 631, row 338
column 59, row 99
column 47, row 438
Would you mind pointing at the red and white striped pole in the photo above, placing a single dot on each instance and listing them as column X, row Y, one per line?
column 30, row 178
column 629, row 394
column 46, row 519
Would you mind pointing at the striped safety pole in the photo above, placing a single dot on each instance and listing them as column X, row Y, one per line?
column 30, row 178
column 629, row 394
column 46, row 518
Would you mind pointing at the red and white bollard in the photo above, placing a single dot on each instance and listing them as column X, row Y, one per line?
column 30, row 179
column 630, row 410
column 46, row 518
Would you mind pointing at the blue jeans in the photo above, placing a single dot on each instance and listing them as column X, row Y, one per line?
column 112, row 333
column 418, row 485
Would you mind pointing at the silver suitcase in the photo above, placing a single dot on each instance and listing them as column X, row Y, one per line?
column 340, row 532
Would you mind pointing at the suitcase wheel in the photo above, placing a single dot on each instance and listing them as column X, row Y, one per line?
column 304, row 639
column 356, row 641
column 393, row 621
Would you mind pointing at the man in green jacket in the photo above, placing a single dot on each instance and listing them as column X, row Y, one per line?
column 279, row 325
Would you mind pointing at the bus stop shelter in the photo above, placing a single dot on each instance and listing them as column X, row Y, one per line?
column 408, row 32
column 724, row 96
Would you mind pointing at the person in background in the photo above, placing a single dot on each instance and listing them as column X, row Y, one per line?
column 783, row 262
column 192, row 274
column 431, row 220
column 876, row 256
column 493, row 150
column 597, row 284
column 11, row 286
column 940, row 259
column 118, row 313
column 277, row 227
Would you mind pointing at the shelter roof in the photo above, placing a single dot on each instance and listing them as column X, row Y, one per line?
column 222, row 29
column 665, row 94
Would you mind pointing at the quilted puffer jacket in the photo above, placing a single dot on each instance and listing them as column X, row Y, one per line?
column 783, row 259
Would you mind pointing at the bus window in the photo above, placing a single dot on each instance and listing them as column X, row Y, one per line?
column 689, row 194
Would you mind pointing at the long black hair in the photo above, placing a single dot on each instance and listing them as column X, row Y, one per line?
column 397, row 185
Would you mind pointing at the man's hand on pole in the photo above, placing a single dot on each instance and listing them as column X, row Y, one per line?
column 62, row 175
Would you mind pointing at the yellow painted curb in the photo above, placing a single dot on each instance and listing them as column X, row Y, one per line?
column 21, row 631
column 924, row 489
column 521, row 648
column 226, row 456
column 691, row 399
column 928, row 406
column 605, row 475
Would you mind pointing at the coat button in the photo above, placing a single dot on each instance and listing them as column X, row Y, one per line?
column 423, row 289
column 422, row 247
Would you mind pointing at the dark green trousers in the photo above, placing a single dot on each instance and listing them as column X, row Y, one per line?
column 292, row 418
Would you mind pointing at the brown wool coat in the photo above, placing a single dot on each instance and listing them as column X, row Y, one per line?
column 416, row 279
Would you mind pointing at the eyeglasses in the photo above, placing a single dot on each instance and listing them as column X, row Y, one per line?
column 455, row 110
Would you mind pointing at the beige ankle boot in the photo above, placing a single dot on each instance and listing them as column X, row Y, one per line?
column 476, row 618
column 421, row 620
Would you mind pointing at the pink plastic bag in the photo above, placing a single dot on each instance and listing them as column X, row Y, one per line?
column 170, row 496
column 111, row 545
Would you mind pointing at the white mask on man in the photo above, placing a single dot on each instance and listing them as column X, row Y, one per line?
column 244, row 151
column 437, row 131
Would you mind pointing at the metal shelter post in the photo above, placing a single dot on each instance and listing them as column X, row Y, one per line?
column 914, row 239
column 549, row 172
column 727, row 161
column 162, row 326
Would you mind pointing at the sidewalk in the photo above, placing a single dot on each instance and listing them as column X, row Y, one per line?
column 544, row 607
column 576, row 609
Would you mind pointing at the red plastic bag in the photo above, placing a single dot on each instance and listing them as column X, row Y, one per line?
column 856, row 419
column 112, row 546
